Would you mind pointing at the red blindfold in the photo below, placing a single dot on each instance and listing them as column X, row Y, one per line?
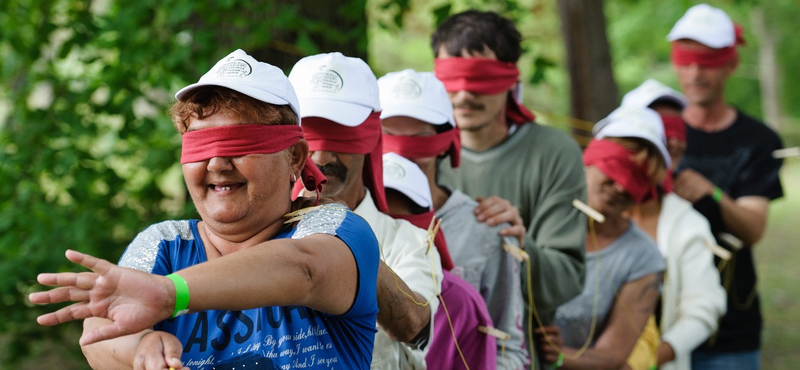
column 674, row 127
column 614, row 161
column 483, row 76
column 241, row 140
column 714, row 58
column 425, row 146
column 325, row 135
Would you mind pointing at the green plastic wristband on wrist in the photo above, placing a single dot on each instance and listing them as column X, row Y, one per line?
column 559, row 362
column 717, row 194
column 181, row 295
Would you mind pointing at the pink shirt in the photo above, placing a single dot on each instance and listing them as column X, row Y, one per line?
column 467, row 311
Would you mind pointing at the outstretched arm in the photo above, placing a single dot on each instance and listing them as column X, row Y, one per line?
column 318, row 271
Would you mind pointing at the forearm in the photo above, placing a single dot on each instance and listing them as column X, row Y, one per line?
column 742, row 222
column 318, row 271
column 399, row 316
column 665, row 353
column 112, row 354
column 593, row 359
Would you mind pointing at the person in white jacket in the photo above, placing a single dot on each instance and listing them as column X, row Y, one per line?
column 692, row 300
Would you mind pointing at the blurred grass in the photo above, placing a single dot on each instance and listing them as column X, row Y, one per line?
column 778, row 263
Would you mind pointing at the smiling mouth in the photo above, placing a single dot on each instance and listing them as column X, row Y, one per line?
column 224, row 188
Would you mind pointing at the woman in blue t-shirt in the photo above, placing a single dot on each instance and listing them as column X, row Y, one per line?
column 247, row 285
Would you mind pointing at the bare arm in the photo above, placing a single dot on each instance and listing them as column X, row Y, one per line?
column 318, row 271
column 634, row 304
column 398, row 315
column 744, row 217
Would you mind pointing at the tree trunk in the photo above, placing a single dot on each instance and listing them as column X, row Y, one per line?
column 593, row 91
column 767, row 71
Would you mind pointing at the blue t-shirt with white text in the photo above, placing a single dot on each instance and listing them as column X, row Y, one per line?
column 287, row 337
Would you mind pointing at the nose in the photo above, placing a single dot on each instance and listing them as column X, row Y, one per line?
column 618, row 188
column 323, row 157
column 460, row 96
column 219, row 164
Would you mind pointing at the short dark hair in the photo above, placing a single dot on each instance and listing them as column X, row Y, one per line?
column 474, row 30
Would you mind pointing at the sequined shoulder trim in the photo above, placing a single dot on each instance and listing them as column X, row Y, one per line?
column 324, row 220
column 143, row 250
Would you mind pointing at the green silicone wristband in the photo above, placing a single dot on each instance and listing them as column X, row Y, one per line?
column 559, row 362
column 181, row 295
column 717, row 194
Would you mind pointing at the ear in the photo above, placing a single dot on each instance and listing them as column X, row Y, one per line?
column 298, row 156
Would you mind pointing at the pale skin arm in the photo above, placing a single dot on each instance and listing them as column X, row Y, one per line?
column 398, row 315
column 745, row 217
column 495, row 210
column 147, row 350
column 634, row 305
column 318, row 272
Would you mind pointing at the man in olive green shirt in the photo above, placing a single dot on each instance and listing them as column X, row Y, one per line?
column 504, row 153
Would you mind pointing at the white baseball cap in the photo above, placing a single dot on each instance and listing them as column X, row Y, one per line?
column 650, row 91
column 417, row 95
column 405, row 176
column 335, row 87
column 639, row 122
column 705, row 24
column 240, row 72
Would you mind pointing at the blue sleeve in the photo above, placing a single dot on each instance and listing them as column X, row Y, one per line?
column 357, row 234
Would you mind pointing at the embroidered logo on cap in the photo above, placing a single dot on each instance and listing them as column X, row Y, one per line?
column 327, row 81
column 393, row 171
column 235, row 68
column 408, row 89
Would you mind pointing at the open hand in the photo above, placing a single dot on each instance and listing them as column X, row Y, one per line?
column 133, row 300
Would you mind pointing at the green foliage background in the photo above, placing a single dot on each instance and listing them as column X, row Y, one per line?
column 88, row 156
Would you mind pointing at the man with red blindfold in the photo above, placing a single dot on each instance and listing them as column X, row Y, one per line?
column 243, row 287
column 728, row 172
column 504, row 153
column 418, row 124
column 341, row 120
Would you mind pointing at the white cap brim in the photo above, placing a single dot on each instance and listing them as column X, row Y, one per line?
column 343, row 113
column 237, row 86
column 421, row 113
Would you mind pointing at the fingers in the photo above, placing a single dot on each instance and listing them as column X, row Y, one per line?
column 77, row 311
column 58, row 295
column 103, row 332
column 95, row 264
column 158, row 351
